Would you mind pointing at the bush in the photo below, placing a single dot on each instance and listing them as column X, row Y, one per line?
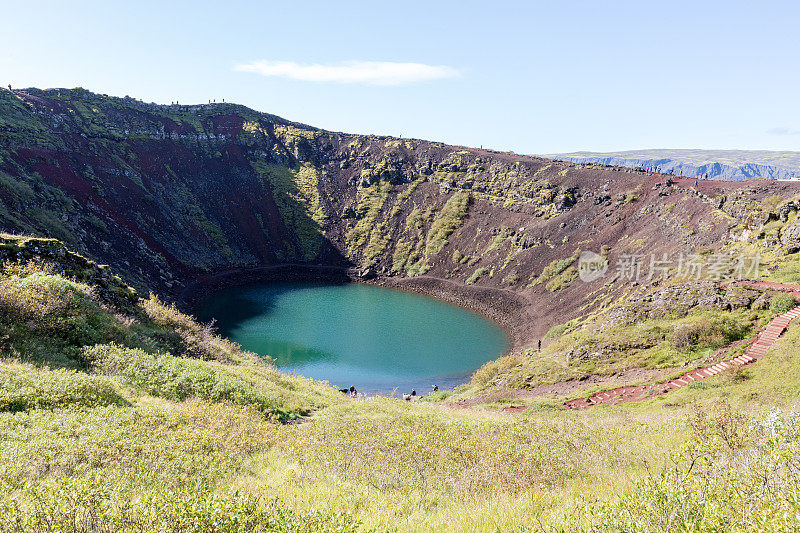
column 558, row 266
column 154, row 446
column 562, row 280
column 781, row 303
column 771, row 203
column 23, row 388
column 560, row 329
column 44, row 300
column 685, row 336
column 491, row 370
column 476, row 275
column 193, row 339
column 735, row 475
column 709, row 333
column 88, row 505
column 47, row 318
column 174, row 378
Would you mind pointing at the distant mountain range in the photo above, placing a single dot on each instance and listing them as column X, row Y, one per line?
column 718, row 164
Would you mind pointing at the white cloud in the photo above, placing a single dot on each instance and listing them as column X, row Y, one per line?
column 366, row 72
column 783, row 131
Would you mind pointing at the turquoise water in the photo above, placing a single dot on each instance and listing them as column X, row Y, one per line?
column 373, row 338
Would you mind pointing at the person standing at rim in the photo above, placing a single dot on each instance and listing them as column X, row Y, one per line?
column 539, row 348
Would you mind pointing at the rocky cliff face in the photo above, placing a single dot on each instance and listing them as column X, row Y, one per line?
column 171, row 194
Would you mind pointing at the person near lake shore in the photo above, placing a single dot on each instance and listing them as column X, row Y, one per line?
column 353, row 391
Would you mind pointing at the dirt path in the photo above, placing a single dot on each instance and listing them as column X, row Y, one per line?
column 763, row 342
column 560, row 389
column 755, row 350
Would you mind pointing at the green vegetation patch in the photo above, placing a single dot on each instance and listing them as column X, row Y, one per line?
column 443, row 222
column 717, row 479
column 446, row 222
column 395, row 448
column 369, row 203
column 296, row 193
column 781, row 303
column 598, row 346
column 24, row 387
column 558, row 330
column 45, row 318
column 177, row 379
column 558, row 273
column 711, row 333
column 478, row 274
column 402, row 251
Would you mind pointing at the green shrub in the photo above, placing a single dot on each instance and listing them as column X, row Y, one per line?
column 781, row 303
column 41, row 297
column 560, row 329
column 479, row 272
column 630, row 197
column 88, row 505
column 771, row 203
column 447, row 220
column 735, row 475
column 562, row 280
column 46, row 318
column 558, row 266
column 186, row 336
column 136, row 469
column 402, row 251
column 555, row 268
column 492, row 369
column 23, row 387
column 392, row 448
column 155, row 446
column 707, row 333
column 174, row 378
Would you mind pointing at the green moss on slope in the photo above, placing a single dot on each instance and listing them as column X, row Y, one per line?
column 296, row 193
column 369, row 204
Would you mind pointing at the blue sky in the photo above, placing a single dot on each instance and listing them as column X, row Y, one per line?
column 532, row 77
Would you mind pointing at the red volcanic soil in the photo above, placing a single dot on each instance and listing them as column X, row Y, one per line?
column 175, row 206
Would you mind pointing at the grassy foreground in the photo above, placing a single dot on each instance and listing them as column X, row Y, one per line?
column 130, row 416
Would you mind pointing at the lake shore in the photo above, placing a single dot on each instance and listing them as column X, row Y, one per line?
column 512, row 311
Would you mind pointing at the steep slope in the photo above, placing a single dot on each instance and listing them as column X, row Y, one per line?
column 121, row 413
column 172, row 196
column 135, row 435
column 59, row 310
column 717, row 164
